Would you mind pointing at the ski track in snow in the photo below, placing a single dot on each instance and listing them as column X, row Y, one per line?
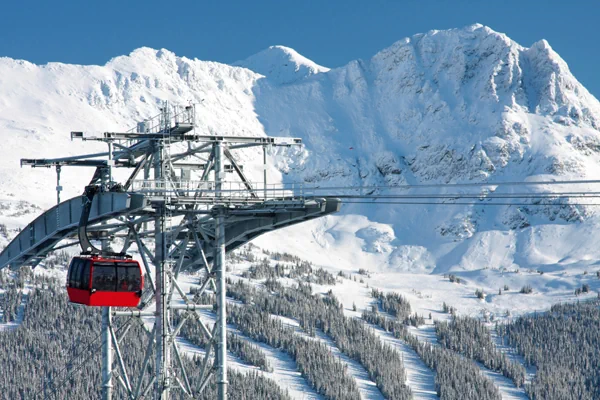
column 285, row 370
column 367, row 388
column 514, row 356
column 233, row 362
column 285, row 373
column 507, row 388
column 420, row 378
column 425, row 332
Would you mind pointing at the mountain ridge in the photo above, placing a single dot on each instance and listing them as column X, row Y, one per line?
column 466, row 104
column 281, row 65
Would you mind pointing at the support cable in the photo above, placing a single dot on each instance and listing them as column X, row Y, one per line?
column 481, row 203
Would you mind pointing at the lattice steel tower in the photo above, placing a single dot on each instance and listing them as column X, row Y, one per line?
column 178, row 223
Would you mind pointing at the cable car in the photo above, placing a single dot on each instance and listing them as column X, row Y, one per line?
column 106, row 282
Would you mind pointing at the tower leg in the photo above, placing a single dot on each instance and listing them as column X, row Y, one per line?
column 221, row 357
column 107, row 347
column 107, row 353
column 162, row 321
column 163, row 361
column 221, row 310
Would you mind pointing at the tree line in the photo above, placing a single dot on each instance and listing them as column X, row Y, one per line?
column 299, row 270
column 470, row 337
column 564, row 345
column 398, row 306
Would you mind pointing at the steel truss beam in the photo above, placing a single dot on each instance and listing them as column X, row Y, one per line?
column 180, row 137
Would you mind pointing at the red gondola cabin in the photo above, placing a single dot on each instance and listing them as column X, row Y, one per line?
column 97, row 281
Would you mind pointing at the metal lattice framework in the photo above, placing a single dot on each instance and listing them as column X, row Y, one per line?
column 177, row 224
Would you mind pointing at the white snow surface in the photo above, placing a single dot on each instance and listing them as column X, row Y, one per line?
column 281, row 65
column 460, row 105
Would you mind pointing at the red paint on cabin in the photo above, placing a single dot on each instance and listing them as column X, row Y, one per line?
column 104, row 282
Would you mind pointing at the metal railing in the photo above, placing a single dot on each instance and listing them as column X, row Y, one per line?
column 164, row 121
column 229, row 190
column 157, row 123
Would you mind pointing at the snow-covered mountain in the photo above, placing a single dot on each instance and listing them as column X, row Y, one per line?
column 281, row 65
column 462, row 105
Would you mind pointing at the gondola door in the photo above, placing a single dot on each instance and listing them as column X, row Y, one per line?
column 78, row 285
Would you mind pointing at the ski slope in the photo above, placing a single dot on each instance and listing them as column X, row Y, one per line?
column 420, row 378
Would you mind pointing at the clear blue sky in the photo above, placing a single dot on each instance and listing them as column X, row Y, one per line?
column 329, row 32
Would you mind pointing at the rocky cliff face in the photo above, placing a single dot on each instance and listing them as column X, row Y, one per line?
column 444, row 106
